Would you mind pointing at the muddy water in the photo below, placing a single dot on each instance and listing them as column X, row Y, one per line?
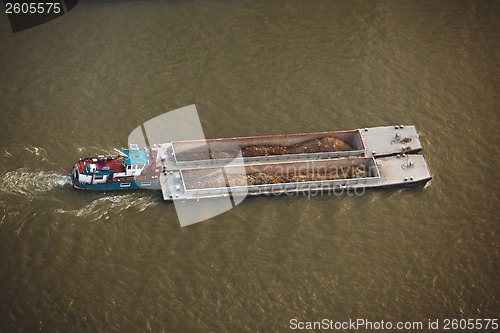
column 73, row 261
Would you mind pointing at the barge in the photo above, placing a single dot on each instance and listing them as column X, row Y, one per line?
column 375, row 157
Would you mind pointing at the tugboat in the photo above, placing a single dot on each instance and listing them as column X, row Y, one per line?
column 132, row 168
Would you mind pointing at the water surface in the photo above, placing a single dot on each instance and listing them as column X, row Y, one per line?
column 77, row 261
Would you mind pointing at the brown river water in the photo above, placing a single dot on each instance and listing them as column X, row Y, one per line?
column 73, row 261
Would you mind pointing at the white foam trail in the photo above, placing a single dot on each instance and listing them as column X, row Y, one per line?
column 100, row 208
column 25, row 182
column 35, row 150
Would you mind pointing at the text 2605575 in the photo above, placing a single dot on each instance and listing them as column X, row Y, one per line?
column 32, row 8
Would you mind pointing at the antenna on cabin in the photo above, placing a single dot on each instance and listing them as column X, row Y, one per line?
column 121, row 153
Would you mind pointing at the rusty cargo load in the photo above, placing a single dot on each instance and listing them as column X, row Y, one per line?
column 287, row 175
column 268, row 148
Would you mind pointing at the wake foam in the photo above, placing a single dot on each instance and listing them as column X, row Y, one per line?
column 102, row 207
column 25, row 182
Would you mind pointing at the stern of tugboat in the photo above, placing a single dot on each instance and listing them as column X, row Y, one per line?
column 74, row 178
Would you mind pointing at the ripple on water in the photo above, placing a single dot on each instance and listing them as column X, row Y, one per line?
column 102, row 207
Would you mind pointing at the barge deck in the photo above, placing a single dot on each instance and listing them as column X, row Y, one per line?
column 374, row 157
